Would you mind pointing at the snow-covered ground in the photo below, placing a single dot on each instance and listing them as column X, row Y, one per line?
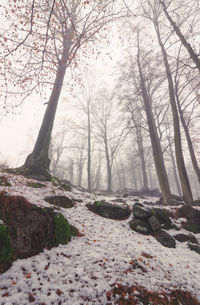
column 83, row 271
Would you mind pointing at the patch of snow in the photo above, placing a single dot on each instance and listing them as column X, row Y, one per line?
column 82, row 271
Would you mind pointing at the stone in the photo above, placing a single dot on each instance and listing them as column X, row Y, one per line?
column 163, row 217
column 186, row 237
column 192, row 225
column 108, row 210
column 195, row 248
column 188, row 212
column 141, row 212
column 165, row 239
column 60, row 201
column 154, row 223
column 140, row 226
column 30, row 228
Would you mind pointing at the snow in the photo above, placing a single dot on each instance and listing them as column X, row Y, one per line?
column 84, row 270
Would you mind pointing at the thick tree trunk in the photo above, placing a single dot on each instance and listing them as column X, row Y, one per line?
column 185, row 184
column 189, row 140
column 187, row 45
column 156, row 148
column 37, row 163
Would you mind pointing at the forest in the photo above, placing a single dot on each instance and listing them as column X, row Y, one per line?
column 103, row 99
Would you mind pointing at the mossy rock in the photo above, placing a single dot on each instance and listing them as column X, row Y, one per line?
column 165, row 239
column 141, row 212
column 109, row 210
column 192, row 225
column 36, row 185
column 62, row 229
column 5, row 244
column 195, row 248
column 140, row 226
column 66, row 187
column 163, row 217
column 60, row 201
column 184, row 237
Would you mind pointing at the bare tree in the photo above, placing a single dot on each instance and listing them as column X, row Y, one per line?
column 57, row 33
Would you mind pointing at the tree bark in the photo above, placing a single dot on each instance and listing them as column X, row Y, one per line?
column 156, row 148
column 37, row 163
column 185, row 184
column 189, row 140
column 178, row 187
column 89, row 151
column 109, row 168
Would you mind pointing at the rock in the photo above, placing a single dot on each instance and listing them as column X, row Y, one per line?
column 154, row 223
column 60, row 201
column 165, row 239
column 192, row 225
column 188, row 212
column 162, row 216
column 29, row 228
column 141, row 212
column 109, row 210
column 140, row 226
column 195, row 248
column 184, row 237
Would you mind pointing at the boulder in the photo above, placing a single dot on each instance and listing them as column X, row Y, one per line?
column 140, row 226
column 165, row 239
column 154, row 223
column 192, row 225
column 195, row 248
column 188, row 212
column 162, row 216
column 141, row 212
column 108, row 210
column 60, row 201
column 27, row 229
column 186, row 237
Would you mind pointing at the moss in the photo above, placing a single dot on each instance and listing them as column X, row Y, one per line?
column 36, row 185
column 66, row 187
column 5, row 244
column 183, row 238
column 62, row 229
column 5, row 183
column 98, row 203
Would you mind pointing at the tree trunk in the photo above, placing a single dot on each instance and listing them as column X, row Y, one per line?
column 156, row 148
column 142, row 158
column 89, row 152
column 178, row 187
column 37, row 163
column 185, row 184
column 188, row 138
column 109, row 169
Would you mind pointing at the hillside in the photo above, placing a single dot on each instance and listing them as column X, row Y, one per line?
column 108, row 263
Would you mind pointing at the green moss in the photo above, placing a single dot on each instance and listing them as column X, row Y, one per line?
column 66, row 187
column 5, row 244
column 5, row 183
column 36, row 185
column 62, row 229
column 98, row 203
